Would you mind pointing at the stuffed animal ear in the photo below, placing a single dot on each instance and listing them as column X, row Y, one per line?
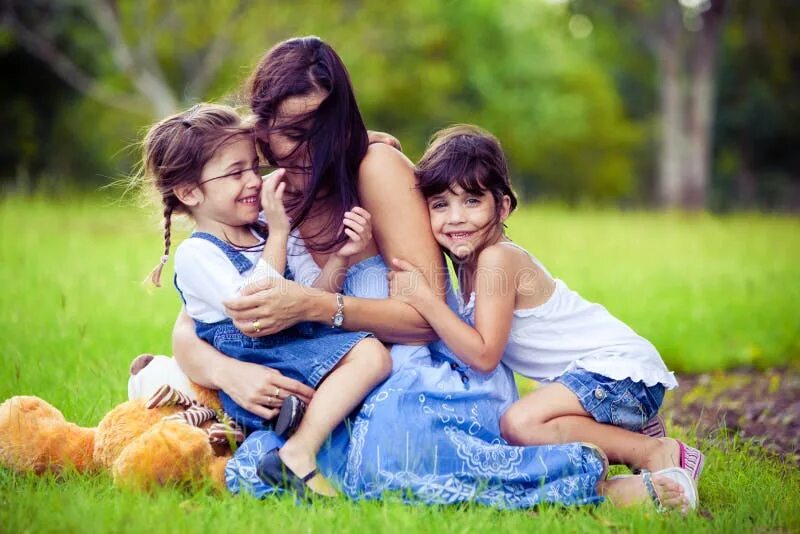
column 139, row 363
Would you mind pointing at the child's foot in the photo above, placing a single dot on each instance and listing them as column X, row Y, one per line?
column 665, row 490
column 301, row 461
column 673, row 453
column 273, row 471
column 290, row 416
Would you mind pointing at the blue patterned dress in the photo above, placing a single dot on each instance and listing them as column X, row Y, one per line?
column 431, row 433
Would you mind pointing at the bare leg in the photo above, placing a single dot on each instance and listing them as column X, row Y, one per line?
column 366, row 365
column 553, row 414
column 630, row 491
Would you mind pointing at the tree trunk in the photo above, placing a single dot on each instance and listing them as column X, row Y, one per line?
column 670, row 169
column 702, row 85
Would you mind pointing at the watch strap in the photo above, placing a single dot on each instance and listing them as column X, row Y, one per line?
column 338, row 317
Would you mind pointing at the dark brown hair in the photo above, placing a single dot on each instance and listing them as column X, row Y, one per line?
column 176, row 149
column 467, row 156
column 333, row 135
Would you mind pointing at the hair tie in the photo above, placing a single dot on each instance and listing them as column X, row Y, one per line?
column 155, row 275
column 186, row 123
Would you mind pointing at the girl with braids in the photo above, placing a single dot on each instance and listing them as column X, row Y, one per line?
column 204, row 164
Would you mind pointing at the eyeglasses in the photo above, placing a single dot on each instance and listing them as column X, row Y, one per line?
column 258, row 168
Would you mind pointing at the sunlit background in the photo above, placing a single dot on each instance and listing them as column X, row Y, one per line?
column 654, row 143
column 626, row 102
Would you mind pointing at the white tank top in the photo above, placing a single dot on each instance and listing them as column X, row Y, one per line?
column 567, row 331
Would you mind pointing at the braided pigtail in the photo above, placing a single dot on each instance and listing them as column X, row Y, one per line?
column 155, row 274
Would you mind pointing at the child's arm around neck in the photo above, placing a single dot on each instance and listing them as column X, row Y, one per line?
column 481, row 347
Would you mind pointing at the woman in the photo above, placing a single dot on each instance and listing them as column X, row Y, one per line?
column 433, row 427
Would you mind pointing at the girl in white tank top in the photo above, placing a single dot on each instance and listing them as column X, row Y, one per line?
column 604, row 383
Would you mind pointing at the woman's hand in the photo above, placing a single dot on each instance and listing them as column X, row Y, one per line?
column 358, row 227
column 408, row 284
column 384, row 138
column 261, row 390
column 254, row 387
column 272, row 202
column 267, row 306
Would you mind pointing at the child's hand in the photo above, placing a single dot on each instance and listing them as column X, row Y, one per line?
column 272, row 202
column 407, row 284
column 358, row 227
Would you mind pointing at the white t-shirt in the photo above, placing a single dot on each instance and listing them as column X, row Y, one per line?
column 206, row 277
column 299, row 261
column 568, row 331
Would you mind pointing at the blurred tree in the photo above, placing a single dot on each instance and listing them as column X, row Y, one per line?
column 117, row 28
column 517, row 69
column 514, row 68
column 682, row 37
column 758, row 127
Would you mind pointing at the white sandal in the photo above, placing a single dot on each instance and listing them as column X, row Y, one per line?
column 678, row 475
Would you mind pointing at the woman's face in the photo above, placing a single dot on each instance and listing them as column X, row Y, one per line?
column 287, row 133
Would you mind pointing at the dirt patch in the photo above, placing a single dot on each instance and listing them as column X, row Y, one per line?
column 763, row 406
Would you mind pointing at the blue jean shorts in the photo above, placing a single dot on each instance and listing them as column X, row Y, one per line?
column 623, row 403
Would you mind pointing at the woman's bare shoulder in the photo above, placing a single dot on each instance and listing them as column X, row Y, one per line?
column 385, row 165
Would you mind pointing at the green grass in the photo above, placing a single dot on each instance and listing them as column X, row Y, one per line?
column 710, row 292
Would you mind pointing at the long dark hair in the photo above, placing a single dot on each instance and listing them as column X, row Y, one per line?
column 333, row 136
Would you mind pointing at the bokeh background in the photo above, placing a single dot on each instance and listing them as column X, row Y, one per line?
column 654, row 143
column 682, row 103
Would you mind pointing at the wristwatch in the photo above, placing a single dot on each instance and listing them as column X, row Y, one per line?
column 338, row 317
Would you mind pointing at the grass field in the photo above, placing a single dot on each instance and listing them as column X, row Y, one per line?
column 710, row 292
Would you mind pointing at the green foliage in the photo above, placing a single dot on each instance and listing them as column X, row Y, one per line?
column 417, row 66
column 577, row 112
column 759, row 103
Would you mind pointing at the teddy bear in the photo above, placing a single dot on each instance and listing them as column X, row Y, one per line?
column 169, row 438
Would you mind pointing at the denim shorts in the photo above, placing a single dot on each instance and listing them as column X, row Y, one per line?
column 623, row 403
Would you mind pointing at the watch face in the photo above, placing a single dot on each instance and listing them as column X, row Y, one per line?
column 338, row 319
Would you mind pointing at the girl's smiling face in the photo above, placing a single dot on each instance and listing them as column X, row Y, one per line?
column 229, row 187
column 465, row 223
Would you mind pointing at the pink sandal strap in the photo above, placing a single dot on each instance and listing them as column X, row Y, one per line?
column 692, row 460
column 655, row 428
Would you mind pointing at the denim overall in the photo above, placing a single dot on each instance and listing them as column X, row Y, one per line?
column 306, row 352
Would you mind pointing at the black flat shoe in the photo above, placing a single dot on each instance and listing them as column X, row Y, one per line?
column 292, row 411
column 271, row 470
